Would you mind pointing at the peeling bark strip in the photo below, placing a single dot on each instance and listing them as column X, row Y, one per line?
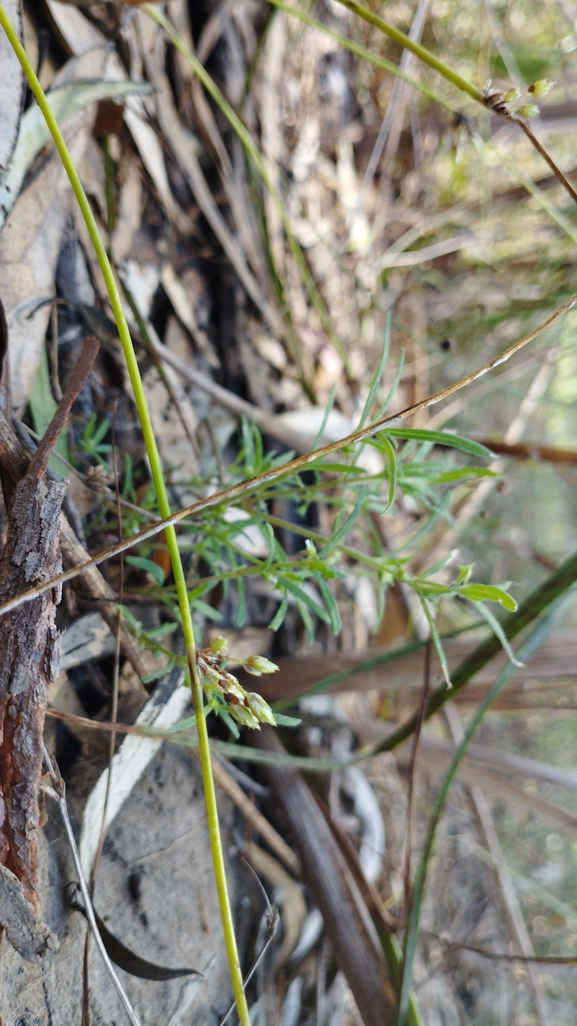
column 28, row 664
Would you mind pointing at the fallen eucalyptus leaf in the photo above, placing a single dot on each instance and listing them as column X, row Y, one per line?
column 126, row 959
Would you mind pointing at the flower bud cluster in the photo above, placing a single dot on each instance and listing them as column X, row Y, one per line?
column 221, row 687
column 500, row 102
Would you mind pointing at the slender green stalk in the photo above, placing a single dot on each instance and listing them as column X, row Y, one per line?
column 364, row 54
column 537, row 634
column 461, row 83
column 393, row 69
column 394, row 958
column 163, row 505
column 419, row 51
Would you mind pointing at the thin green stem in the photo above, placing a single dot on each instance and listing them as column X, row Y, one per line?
column 393, row 69
column 364, row 54
column 531, row 643
column 419, row 51
column 163, row 505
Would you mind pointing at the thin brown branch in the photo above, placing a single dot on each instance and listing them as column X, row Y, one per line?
column 546, row 156
column 81, row 370
column 501, row 957
column 531, row 451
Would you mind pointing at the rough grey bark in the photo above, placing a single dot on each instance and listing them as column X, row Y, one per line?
column 14, row 458
column 28, row 665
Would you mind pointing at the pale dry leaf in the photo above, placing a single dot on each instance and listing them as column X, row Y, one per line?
column 164, row 709
column 81, row 36
column 184, row 309
column 33, row 134
column 30, row 241
column 11, row 86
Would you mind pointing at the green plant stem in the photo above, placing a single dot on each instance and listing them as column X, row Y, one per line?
column 531, row 643
column 419, row 51
column 461, row 83
column 364, row 54
column 164, row 507
column 559, row 581
column 393, row 69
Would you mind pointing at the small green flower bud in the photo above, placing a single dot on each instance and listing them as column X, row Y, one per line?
column 242, row 714
column 528, row 110
column 219, row 645
column 233, row 691
column 260, row 708
column 257, row 665
column 512, row 94
column 541, row 87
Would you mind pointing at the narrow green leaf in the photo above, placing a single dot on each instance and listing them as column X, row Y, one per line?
column 134, row 625
column 100, row 432
column 497, row 629
column 157, row 673
column 209, row 611
column 381, row 412
column 280, row 614
column 149, row 566
column 437, row 642
column 127, row 485
column 187, row 724
column 393, row 471
column 331, row 605
column 155, row 633
column 328, row 408
column 378, row 373
column 301, row 596
column 443, row 438
column 461, row 472
column 307, row 619
column 227, row 718
column 241, row 608
column 286, row 721
column 487, row 593
column 345, row 527
column 268, row 535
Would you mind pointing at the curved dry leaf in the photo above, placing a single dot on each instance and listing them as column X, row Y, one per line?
column 30, row 240
column 34, row 135
column 164, row 709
